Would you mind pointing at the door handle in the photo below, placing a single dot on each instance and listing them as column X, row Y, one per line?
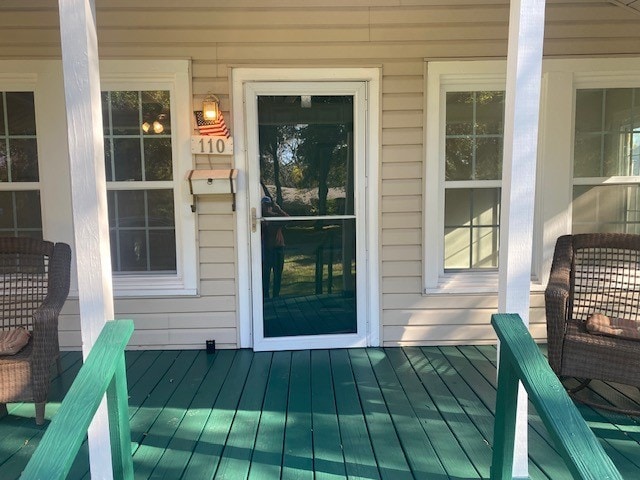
column 254, row 220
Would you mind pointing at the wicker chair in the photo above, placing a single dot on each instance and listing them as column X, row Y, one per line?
column 594, row 275
column 35, row 284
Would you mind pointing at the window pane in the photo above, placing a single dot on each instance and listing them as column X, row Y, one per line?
column 130, row 208
column 132, row 251
column 457, row 204
column 589, row 111
column 474, row 135
column 161, row 211
column 128, row 159
column 587, row 153
column 457, row 251
column 489, row 113
column 459, row 158
column 472, row 218
column 28, row 214
column 139, row 150
column 21, row 113
column 24, row 160
column 162, row 250
column 489, row 159
column 459, row 113
column 606, row 208
column 306, row 153
column 20, row 213
column 607, row 122
column 157, row 159
column 125, row 113
column 156, row 112
column 142, row 224
column 485, row 247
column 309, row 284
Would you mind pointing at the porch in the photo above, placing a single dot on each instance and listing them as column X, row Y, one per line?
column 421, row 412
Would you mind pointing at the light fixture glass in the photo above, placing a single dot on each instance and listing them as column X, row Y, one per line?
column 158, row 127
column 211, row 107
column 145, row 127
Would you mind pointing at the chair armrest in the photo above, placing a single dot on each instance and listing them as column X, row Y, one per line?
column 556, row 297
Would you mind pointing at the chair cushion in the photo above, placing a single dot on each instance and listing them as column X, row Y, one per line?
column 614, row 327
column 14, row 340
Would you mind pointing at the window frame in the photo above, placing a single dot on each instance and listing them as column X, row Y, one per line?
column 24, row 83
column 174, row 76
column 44, row 78
column 561, row 78
column 443, row 77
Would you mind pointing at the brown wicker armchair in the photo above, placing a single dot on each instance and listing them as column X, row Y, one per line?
column 34, row 277
column 595, row 276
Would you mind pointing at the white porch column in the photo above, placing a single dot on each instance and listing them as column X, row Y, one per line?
column 524, row 70
column 88, row 194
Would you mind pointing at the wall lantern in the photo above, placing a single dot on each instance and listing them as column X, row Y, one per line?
column 211, row 107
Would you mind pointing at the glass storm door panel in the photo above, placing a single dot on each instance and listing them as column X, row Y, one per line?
column 305, row 201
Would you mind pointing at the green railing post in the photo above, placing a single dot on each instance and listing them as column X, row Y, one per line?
column 103, row 371
column 578, row 446
column 505, row 421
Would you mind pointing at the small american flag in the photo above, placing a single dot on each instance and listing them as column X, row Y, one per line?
column 208, row 127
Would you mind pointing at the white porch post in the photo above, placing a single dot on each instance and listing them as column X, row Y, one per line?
column 524, row 70
column 88, row 193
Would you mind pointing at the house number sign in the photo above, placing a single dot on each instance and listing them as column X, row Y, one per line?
column 211, row 145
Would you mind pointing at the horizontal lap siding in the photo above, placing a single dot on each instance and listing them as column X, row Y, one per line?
column 396, row 35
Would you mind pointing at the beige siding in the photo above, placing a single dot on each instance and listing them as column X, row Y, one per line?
column 396, row 34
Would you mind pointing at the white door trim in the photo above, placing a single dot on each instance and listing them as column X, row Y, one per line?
column 371, row 76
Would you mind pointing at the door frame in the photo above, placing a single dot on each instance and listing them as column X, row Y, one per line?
column 371, row 77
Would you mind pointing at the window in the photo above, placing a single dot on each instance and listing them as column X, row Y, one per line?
column 140, row 190
column 473, row 171
column 146, row 112
column 20, row 213
column 463, row 176
column 606, row 167
column 588, row 177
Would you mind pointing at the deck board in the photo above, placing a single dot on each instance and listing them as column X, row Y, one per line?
column 415, row 412
column 449, row 453
column 384, row 439
column 360, row 461
column 327, row 451
column 267, row 454
column 297, row 461
column 417, row 447
column 210, row 447
column 434, row 372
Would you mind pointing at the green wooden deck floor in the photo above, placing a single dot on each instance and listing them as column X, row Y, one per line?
column 424, row 413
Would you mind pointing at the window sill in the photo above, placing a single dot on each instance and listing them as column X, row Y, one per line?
column 140, row 286
column 473, row 283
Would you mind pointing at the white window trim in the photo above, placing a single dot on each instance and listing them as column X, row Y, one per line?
column 23, row 83
column 172, row 75
column 445, row 77
column 44, row 77
column 561, row 79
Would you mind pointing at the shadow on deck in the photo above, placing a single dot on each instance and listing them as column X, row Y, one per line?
column 418, row 412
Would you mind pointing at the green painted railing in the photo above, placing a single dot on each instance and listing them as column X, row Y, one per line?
column 103, row 371
column 521, row 359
